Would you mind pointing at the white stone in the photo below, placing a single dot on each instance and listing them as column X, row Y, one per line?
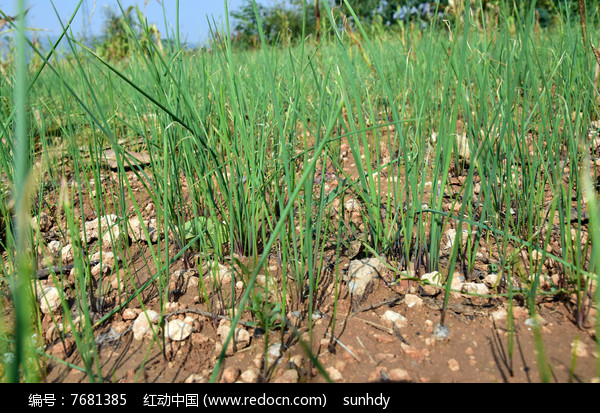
column 474, row 288
column 258, row 361
column 451, row 237
column 579, row 348
column 411, row 300
column 266, row 281
column 97, row 269
column 398, row 375
column 178, row 330
column 54, row 332
column 240, row 336
column 457, row 281
column 150, row 208
column 105, row 228
column 499, row 314
column 250, row 376
column 184, row 279
column 433, row 278
column 154, row 234
column 296, row 360
column 137, row 233
column 275, row 351
column 141, row 326
column 54, row 248
column 491, row 280
column 360, row 276
column 136, row 229
column 352, row 205
column 49, row 300
column 195, row 378
column 393, row 318
column 433, row 281
column 67, row 254
column 453, row 365
column 108, row 258
column 153, row 316
column 334, row 374
column 536, row 321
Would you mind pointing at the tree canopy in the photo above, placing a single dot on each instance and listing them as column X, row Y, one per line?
column 284, row 21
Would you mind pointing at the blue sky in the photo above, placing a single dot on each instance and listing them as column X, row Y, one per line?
column 193, row 22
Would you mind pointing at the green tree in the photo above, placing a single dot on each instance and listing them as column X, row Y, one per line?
column 365, row 10
column 117, row 31
column 281, row 22
column 245, row 30
column 115, row 43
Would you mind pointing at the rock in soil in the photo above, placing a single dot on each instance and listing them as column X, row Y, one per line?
column 250, row 376
column 49, row 300
column 137, row 233
column 393, row 318
column 474, row 288
column 288, row 376
column 141, row 326
column 360, row 276
column 196, row 378
column 334, row 374
column 441, row 332
column 398, row 375
column 129, row 314
column 434, row 283
column 67, row 254
column 453, row 365
column 178, row 330
column 241, row 337
column 43, row 222
column 230, row 374
column 275, row 352
column 411, row 300
column 105, row 228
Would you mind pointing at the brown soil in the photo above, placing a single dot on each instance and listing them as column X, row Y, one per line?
column 350, row 340
column 365, row 350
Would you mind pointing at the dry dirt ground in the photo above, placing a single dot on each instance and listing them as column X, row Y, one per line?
column 353, row 338
column 363, row 350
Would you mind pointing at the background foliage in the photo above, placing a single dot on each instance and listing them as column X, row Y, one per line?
column 284, row 20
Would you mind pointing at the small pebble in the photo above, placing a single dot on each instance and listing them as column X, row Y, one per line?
column 231, row 374
column 441, row 332
column 178, row 330
column 334, row 374
column 453, row 365
column 398, row 375
column 250, row 376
